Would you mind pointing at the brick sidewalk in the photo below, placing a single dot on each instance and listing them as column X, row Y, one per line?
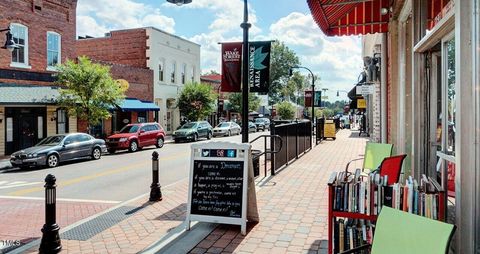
column 22, row 219
column 293, row 205
column 292, row 208
column 147, row 223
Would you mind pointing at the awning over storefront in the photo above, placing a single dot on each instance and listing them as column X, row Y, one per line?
column 350, row 17
column 27, row 94
column 131, row 104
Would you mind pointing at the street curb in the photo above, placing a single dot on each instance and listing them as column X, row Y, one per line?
column 181, row 240
column 32, row 244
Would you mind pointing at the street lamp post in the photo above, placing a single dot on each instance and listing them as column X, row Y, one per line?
column 313, row 89
column 245, row 26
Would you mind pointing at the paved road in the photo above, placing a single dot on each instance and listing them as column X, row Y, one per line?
column 117, row 177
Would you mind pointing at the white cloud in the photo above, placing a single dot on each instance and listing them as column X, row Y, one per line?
column 228, row 14
column 337, row 60
column 106, row 15
column 89, row 26
column 225, row 27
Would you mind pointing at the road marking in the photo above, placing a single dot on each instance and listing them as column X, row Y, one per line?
column 65, row 199
column 96, row 175
column 18, row 184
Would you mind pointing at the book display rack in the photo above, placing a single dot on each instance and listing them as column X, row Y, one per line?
column 355, row 202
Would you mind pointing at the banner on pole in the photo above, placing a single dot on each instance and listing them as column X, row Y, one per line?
column 259, row 66
column 231, row 67
column 308, row 98
column 318, row 99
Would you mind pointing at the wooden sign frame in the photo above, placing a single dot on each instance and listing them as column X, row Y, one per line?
column 242, row 155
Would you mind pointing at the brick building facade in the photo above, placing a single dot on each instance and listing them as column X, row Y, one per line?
column 44, row 31
column 127, row 47
column 173, row 60
column 125, row 52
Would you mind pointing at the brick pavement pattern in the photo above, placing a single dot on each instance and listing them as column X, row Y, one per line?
column 23, row 219
column 147, row 225
column 292, row 206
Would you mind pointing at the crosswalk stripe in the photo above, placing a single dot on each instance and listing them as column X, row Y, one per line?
column 18, row 184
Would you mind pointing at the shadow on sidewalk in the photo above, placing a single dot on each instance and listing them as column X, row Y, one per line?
column 176, row 214
column 319, row 246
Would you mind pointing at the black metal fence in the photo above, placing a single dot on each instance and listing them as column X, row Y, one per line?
column 319, row 135
column 297, row 139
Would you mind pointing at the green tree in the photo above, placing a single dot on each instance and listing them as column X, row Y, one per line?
column 235, row 100
column 281, row 59
column 197, row 101
column 88, row 91
column 295, row 87
column 285, row 110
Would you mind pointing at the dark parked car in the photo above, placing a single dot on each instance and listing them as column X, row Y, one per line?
column 59, row 148
column 193, row 131
column 136, row 136
column 251, row 127
column 262, row 123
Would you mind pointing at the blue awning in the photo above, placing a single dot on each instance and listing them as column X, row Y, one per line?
column 130, row 104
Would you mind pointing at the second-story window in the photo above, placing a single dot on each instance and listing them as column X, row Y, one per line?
column 193, row 74
column 184, row 73
column 53, row 49
column 20, row 36
column 174, row 67
column 161, row 70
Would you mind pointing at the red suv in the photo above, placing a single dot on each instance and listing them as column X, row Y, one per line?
column 135, row 136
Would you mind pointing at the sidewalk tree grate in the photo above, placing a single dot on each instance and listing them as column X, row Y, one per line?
column 92, row 227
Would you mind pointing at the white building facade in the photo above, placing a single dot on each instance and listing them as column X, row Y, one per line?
column 175, row 62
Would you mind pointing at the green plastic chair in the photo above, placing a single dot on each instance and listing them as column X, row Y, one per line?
column 399, row 232
column 374, row 155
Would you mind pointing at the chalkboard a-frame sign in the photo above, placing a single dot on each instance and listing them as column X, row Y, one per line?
column 218, row 183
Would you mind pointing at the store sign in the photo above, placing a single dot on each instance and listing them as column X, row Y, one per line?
column 365, row 89
column 222, row 187
column 361, row 103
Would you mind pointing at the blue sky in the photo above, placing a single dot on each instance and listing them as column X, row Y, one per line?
column 337, row 60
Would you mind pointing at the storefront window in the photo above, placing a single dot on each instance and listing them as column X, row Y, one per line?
column 142, row 117
column 62, row 121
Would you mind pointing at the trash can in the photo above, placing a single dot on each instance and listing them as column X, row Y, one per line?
column 329, row 130
column 256, row 162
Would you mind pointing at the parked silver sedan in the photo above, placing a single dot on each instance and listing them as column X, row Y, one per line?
column 59, row 148
column 226, row 129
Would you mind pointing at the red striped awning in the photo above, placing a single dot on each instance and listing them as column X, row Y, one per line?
column 435, row 13
column 350, row 17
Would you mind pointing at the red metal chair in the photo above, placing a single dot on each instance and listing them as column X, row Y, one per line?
column 392, row 167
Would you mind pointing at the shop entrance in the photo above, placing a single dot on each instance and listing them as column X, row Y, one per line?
column 27, row 131
column 440, row 116
column 24, row 128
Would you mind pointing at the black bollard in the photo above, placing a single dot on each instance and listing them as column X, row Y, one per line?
column 50, row 238
column 155, row 192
